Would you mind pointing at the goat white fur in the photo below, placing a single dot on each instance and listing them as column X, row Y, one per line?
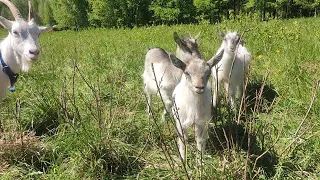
column 192, row 100
column 165, row 74
column 234, row 50
column 20, row 48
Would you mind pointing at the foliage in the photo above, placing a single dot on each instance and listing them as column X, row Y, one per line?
column 77, row 14
column 165, row 11
column 105, row 13
column 70, row 14
column 45, row 12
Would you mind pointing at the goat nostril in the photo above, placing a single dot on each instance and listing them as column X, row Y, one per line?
column 34, row 52
column 200, row 87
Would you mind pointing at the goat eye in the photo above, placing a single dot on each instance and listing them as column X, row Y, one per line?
column 15, row 32
column 186, row 73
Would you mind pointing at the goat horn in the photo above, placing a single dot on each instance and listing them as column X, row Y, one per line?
column 220, row 33
column 197, row 36
column 14, row 10
column 29, row 4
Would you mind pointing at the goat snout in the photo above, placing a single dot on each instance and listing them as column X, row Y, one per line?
column 199, row 89
column 232, row 48
column 34, row 52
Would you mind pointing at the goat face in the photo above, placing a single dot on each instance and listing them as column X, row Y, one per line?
column 23, row 36
column 24, row 39
column 230, row 40
column 196, row 71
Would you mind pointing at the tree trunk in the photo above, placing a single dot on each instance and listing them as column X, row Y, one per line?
column 234, row 9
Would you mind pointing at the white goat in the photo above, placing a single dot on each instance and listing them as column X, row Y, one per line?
column 234, row 50
column 19, row 49
column 164, row 74
column 192, row 99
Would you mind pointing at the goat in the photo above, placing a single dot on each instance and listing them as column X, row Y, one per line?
column 164, row 74
column 185, row 45
column 192, row 99
column 235, row 60
column 19, row 49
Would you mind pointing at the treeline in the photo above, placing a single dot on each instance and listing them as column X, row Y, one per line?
column 76, row 14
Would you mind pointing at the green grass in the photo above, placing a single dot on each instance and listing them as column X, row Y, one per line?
column 85, row 102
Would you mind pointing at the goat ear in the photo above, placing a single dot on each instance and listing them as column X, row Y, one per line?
column 5, row 23
column 177, row 62
column 242, row 42
column 32, row 20
column 215, row 59
column 178, row 40
column 181, row 43
column 44, row 29
column 197, row 36
column 220, row 33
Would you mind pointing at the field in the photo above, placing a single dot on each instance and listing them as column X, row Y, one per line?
column 80, row 111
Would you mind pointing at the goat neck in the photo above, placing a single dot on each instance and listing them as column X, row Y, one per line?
column 227, row 59
column 10, row 57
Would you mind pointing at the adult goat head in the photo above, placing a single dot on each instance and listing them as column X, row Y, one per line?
column 22, row 40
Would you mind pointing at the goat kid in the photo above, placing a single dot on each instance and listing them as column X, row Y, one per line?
column 164, row 74
column 187, row 46
column 192, row 99
column 234, row 50
column 19, row 49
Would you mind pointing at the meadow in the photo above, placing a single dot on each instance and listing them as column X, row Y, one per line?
column 80, row 111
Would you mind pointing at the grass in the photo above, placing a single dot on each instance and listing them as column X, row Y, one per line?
column 80, row 112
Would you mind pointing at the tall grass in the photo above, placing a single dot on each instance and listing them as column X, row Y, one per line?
column 80, row 112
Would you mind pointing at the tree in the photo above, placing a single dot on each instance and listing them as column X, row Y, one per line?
column 102, row 13
column 128, row 13
column 44, row 12
column 173, row 11
column 264, row 7
column 164, row 11
column 212, row 10
column 70, row 14
column 187, row 11
column 308, row 7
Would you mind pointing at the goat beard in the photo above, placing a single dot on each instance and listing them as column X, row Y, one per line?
column 25, row 63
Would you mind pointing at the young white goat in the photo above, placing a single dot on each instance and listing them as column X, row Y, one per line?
column 19, row 49
column 192, row 99
column 164, row 74
column 234, row 50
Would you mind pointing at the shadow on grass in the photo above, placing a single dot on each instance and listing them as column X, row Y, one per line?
column 44, row 118
column 266, row 100
column 114, row 163
column 231, row 136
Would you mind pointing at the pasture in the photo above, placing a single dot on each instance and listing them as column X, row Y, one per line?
column 80, row 111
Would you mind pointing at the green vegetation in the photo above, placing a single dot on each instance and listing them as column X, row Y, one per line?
column 80, row 112
column 77, row 14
